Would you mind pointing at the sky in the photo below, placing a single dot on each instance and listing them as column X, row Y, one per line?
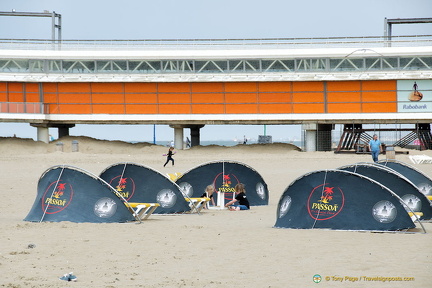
column 204, row 19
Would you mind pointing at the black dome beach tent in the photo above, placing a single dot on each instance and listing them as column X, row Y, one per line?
column 67, row 193
column 340, row 200
column 396, row 182
column 141, row 184
column 224, row 175
column 421, row 180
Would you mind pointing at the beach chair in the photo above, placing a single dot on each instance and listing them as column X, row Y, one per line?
column 174, row 176
column 143, row 210
column 197, row 204
column 415, row 215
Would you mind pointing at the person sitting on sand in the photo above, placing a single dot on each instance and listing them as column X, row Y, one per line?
column 240, row 197
column 209, row 194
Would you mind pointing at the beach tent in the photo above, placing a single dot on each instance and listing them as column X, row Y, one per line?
column 341, row 200
column 224, row 175
column 141, row 184
column 396, row 182
column 67, row 193
column 421, row 180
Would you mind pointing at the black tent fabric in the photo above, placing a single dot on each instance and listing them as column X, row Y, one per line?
column 340, row 200
column 224, row 175
column 141, row 184
column 421, row 180
column 67, row 193
column 410, row 194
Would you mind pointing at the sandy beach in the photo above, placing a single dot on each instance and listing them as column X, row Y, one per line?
column 214, row 249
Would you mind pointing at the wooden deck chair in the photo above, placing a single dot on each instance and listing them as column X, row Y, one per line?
column 144, row 210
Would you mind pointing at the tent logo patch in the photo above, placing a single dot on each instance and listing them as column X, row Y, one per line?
column 260, row 190
column 285, row 206
column 59, row 199
column 325, row 202
column 413, row 202
column 105, row 207
column 166, row 198
column 384, row 211
column 186, row 189
column 225, row 183
column 125, row 187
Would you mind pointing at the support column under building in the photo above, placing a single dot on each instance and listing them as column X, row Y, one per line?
column 63, row 129
column 195, row 134
column 43, row 134
column 317, row 137
column 178, row 135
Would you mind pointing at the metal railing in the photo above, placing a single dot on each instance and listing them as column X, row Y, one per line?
column 178, row 44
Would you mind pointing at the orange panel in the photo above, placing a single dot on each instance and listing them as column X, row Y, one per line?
column 207, row 87
column 274, row 86
column 108, row 109
column 240, row 87
column 308, row 86
column 307, row 97
column 308, row 108
column 241, row 109
column 74, row 98
column 16, row 108
column 33, row 108
column 140, row 87
column 274, row 97
column 32, row 87
column 73, row 109
column 15, row 87
column 344, row 108
column 52, row 108
column 4, row 108
column 108, row 98
column 379, row 96
column 208, row 109
column 343, row 97
column 71, row 88
column 174, row 109
column 174, row 98
column 379, row 107
column 379, row 85
column 241, row 98
column 141, row 109
column 3, row 97
column 16, row 97
column 208, row 98
column 107, row 87
column 49, row 87
column 141, row 98
column 174, row 87
column 275, row 108
column 3, row 86
column 50, row 98
column 343, row 86
column 32, row 97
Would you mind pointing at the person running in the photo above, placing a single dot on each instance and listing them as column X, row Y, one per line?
column 243, row 202
column 169, row 156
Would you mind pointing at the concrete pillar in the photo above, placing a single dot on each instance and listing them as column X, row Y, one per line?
column 310, row 134
column 324, row 137
column 178, row 138
column 195, row 134
column 43, row 134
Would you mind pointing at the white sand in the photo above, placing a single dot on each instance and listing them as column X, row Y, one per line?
column 214, row 249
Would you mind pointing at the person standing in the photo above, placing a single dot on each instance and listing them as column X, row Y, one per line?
column 169, row 156
column 375, row 147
